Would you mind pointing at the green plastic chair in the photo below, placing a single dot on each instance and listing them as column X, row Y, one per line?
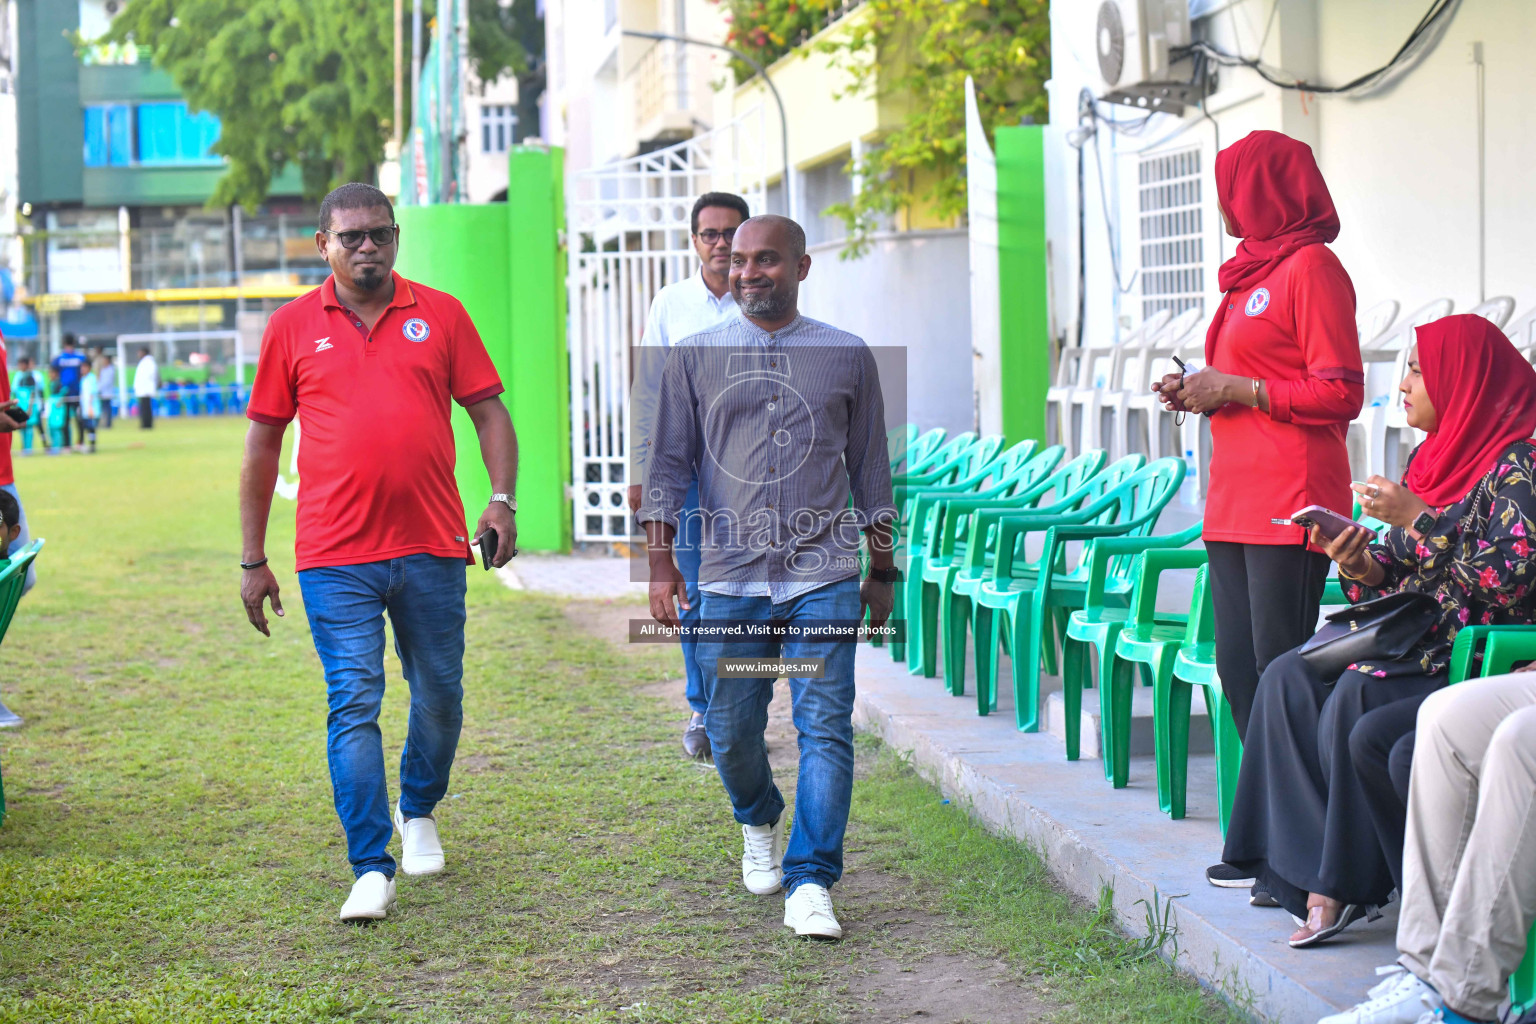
column 1124, row 638
column 917, row 447
column 1195, row 665
column 1015, row 609
column 13, row 577
column 962, row 554
column 917, row 502
column 1491, row 651
column 1014, row 478
column 962, row 455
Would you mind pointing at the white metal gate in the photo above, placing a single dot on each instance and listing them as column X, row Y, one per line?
column 629, row 237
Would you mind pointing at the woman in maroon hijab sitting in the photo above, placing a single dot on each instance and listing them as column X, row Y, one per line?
column 1317, row 818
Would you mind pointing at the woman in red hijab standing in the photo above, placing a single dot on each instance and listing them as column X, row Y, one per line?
column 1282, row 382
column 1320, row 811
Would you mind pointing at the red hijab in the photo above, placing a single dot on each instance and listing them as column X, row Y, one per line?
column 1484, row 393
column 1276, row 199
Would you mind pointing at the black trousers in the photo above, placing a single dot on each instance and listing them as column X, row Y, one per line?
column 1266, row 598
column 146, row 412
column 1305, row 816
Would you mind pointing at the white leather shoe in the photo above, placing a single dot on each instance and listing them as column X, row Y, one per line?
column 809, row 912
column 421, row 853
column 762, row 857
column 372, row 896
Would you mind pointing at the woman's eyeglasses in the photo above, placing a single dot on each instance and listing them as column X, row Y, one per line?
column 353, row 239
column 709, row 236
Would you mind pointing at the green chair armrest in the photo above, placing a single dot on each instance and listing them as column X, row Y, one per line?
column 1154, row 564
column 1507, row 645
column 1464, row 651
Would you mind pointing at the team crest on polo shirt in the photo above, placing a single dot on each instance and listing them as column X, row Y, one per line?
column 416, row 329
column 1258, row 302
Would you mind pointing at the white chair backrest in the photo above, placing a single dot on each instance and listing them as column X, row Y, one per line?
column 1102, row 366
column 1523, row 333
column 1139, row 364
column 1373, row 323
column 1401, row 334
column 1496, row 310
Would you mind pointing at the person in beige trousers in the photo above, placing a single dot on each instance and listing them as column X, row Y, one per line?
column 1469, row 863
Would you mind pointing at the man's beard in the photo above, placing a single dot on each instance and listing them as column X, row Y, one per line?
column 368, row 278
column 769, row 306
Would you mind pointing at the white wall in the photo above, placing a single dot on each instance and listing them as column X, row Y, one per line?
column 1401, row 165
column 911, row 290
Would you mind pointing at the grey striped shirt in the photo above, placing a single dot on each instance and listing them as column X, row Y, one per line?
column 784, row 428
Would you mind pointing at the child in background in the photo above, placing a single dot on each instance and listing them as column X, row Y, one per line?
column 56, row 412
column 90, row 406
column 28, row 395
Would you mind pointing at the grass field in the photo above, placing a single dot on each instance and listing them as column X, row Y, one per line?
column 171, row 853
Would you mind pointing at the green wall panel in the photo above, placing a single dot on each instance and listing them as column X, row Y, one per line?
column 121, row 83
column 1023, row 292
column 502, row 262
column 49, row 124
column 149, row 186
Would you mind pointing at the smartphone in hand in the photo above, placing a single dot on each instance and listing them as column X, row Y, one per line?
column 488, row 543
column 1328, row 522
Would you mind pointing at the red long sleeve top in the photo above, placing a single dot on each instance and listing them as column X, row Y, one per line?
column 1295, row 331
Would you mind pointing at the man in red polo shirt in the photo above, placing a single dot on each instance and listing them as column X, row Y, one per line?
column 8, row 424
column 369, row 362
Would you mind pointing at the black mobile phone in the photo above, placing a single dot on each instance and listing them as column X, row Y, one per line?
column 1180, row 364
column 19, row 414
column 488, row 542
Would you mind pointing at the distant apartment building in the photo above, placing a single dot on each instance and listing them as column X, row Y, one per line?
column 114, row 174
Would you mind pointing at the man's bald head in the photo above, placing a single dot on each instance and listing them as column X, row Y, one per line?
column 773, row 231
column 768, row 262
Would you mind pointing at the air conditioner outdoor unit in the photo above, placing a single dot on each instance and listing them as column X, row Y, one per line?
column 1132, row 40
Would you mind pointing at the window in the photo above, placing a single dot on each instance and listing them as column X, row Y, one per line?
column 169, row 134
column 109, row 135
column 1172, row 233
column 496, row 122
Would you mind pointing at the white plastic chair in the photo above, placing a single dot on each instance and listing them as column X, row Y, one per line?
column 1496, row 310
column 1385, row 409
column 1095, row 376
column 1523, row 334
column 1135, row 412
column 1374, row 322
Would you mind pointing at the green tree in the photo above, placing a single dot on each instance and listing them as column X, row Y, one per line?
column 306, row 82
column 921, row 52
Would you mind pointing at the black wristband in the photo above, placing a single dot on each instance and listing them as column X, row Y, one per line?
column 891, row 575
column 253, row 565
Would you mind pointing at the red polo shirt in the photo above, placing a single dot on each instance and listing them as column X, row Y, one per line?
column 1294, row 330
column 6, row 475
column 376, row 452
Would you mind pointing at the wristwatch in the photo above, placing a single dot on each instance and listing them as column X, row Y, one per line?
column 1424, row 522
column 891, row 575
column 507, row 500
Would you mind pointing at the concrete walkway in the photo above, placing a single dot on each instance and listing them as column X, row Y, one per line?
column 1093, row 835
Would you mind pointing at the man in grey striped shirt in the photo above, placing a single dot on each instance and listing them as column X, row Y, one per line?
column 784, row 419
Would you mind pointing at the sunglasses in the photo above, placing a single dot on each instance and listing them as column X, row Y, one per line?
column 709, row 236
column 353, row 239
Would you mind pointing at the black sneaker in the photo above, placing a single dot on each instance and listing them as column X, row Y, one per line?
column 1225, row 876
column 1260, row 897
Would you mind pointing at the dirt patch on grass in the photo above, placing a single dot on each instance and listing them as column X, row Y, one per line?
column 899, row 960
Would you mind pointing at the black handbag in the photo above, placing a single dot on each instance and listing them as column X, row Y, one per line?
column 1384, row 629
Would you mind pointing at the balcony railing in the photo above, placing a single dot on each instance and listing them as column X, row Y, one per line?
column 671, row 84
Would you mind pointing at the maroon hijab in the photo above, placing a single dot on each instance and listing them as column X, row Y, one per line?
column 1276, row 199
column 1484, row 394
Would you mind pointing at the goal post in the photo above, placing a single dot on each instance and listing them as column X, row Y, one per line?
column 169, row 346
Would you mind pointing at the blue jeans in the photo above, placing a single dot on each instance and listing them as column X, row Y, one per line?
column 23, row 539
column 823, row 714
column 424, row 595
column 685, row 547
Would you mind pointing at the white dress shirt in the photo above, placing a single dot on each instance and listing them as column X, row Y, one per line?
column 679, row 310
column 146, row 379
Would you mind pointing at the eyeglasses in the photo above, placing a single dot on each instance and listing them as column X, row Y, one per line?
column 709, row 236
column 353, row 239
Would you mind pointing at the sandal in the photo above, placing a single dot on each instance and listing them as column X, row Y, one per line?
column 1348, row 915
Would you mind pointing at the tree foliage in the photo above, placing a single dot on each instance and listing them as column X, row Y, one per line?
column 303, row 82
column 919, row 53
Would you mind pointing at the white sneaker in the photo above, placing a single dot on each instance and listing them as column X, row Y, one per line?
column 1400, row 999
column 421, row 853
column 762, row 857
column 809, row 912
column 372, row 896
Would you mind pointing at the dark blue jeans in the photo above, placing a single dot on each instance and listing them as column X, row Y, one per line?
column 685, row 548
column 823, row 715
column 424, row 595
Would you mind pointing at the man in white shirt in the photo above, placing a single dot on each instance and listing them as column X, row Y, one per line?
column 679, row 310
column 146, row 381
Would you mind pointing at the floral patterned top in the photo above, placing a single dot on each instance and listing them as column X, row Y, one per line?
column 1476, row 562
